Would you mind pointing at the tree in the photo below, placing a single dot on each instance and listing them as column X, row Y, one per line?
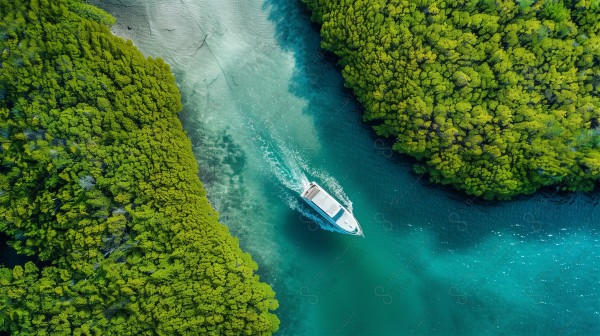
column 503, row 70
column 98, row 184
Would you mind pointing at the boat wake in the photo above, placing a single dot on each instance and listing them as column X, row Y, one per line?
column 282, row 163
column 290, row 173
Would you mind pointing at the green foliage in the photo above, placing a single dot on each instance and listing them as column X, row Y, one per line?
column 98, row 180
column 497, row 98
column 91, row 12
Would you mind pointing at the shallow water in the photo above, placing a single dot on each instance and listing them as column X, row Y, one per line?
column 267, row 111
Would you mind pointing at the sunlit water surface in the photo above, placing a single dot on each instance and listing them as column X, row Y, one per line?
column 267, row 112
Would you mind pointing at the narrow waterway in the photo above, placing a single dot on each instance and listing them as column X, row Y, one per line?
column 267, row 111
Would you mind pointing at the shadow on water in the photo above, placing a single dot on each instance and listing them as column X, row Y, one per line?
column 9, row 257
column 312, row 62
column 308, row 236
column 537, row 215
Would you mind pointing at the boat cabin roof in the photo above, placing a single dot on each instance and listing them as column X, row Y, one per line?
column 324, row 201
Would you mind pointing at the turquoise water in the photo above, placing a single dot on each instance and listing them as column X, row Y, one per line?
column 267, row 111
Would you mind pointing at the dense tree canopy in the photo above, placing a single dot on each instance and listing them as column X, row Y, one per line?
column 99, row 185
column 496, row 97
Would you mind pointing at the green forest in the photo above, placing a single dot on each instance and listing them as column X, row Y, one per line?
column 494, row 97
column 99, row 188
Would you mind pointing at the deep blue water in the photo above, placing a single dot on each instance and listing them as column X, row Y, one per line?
column 266, row 110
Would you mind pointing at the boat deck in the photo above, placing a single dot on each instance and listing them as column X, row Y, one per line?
column 325, row 202
column 337, row 214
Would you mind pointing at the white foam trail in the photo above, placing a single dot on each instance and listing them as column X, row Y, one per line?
column 288, row 168
column 282, row 162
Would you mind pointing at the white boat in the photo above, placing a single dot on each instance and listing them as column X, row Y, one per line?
column 331, row 210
